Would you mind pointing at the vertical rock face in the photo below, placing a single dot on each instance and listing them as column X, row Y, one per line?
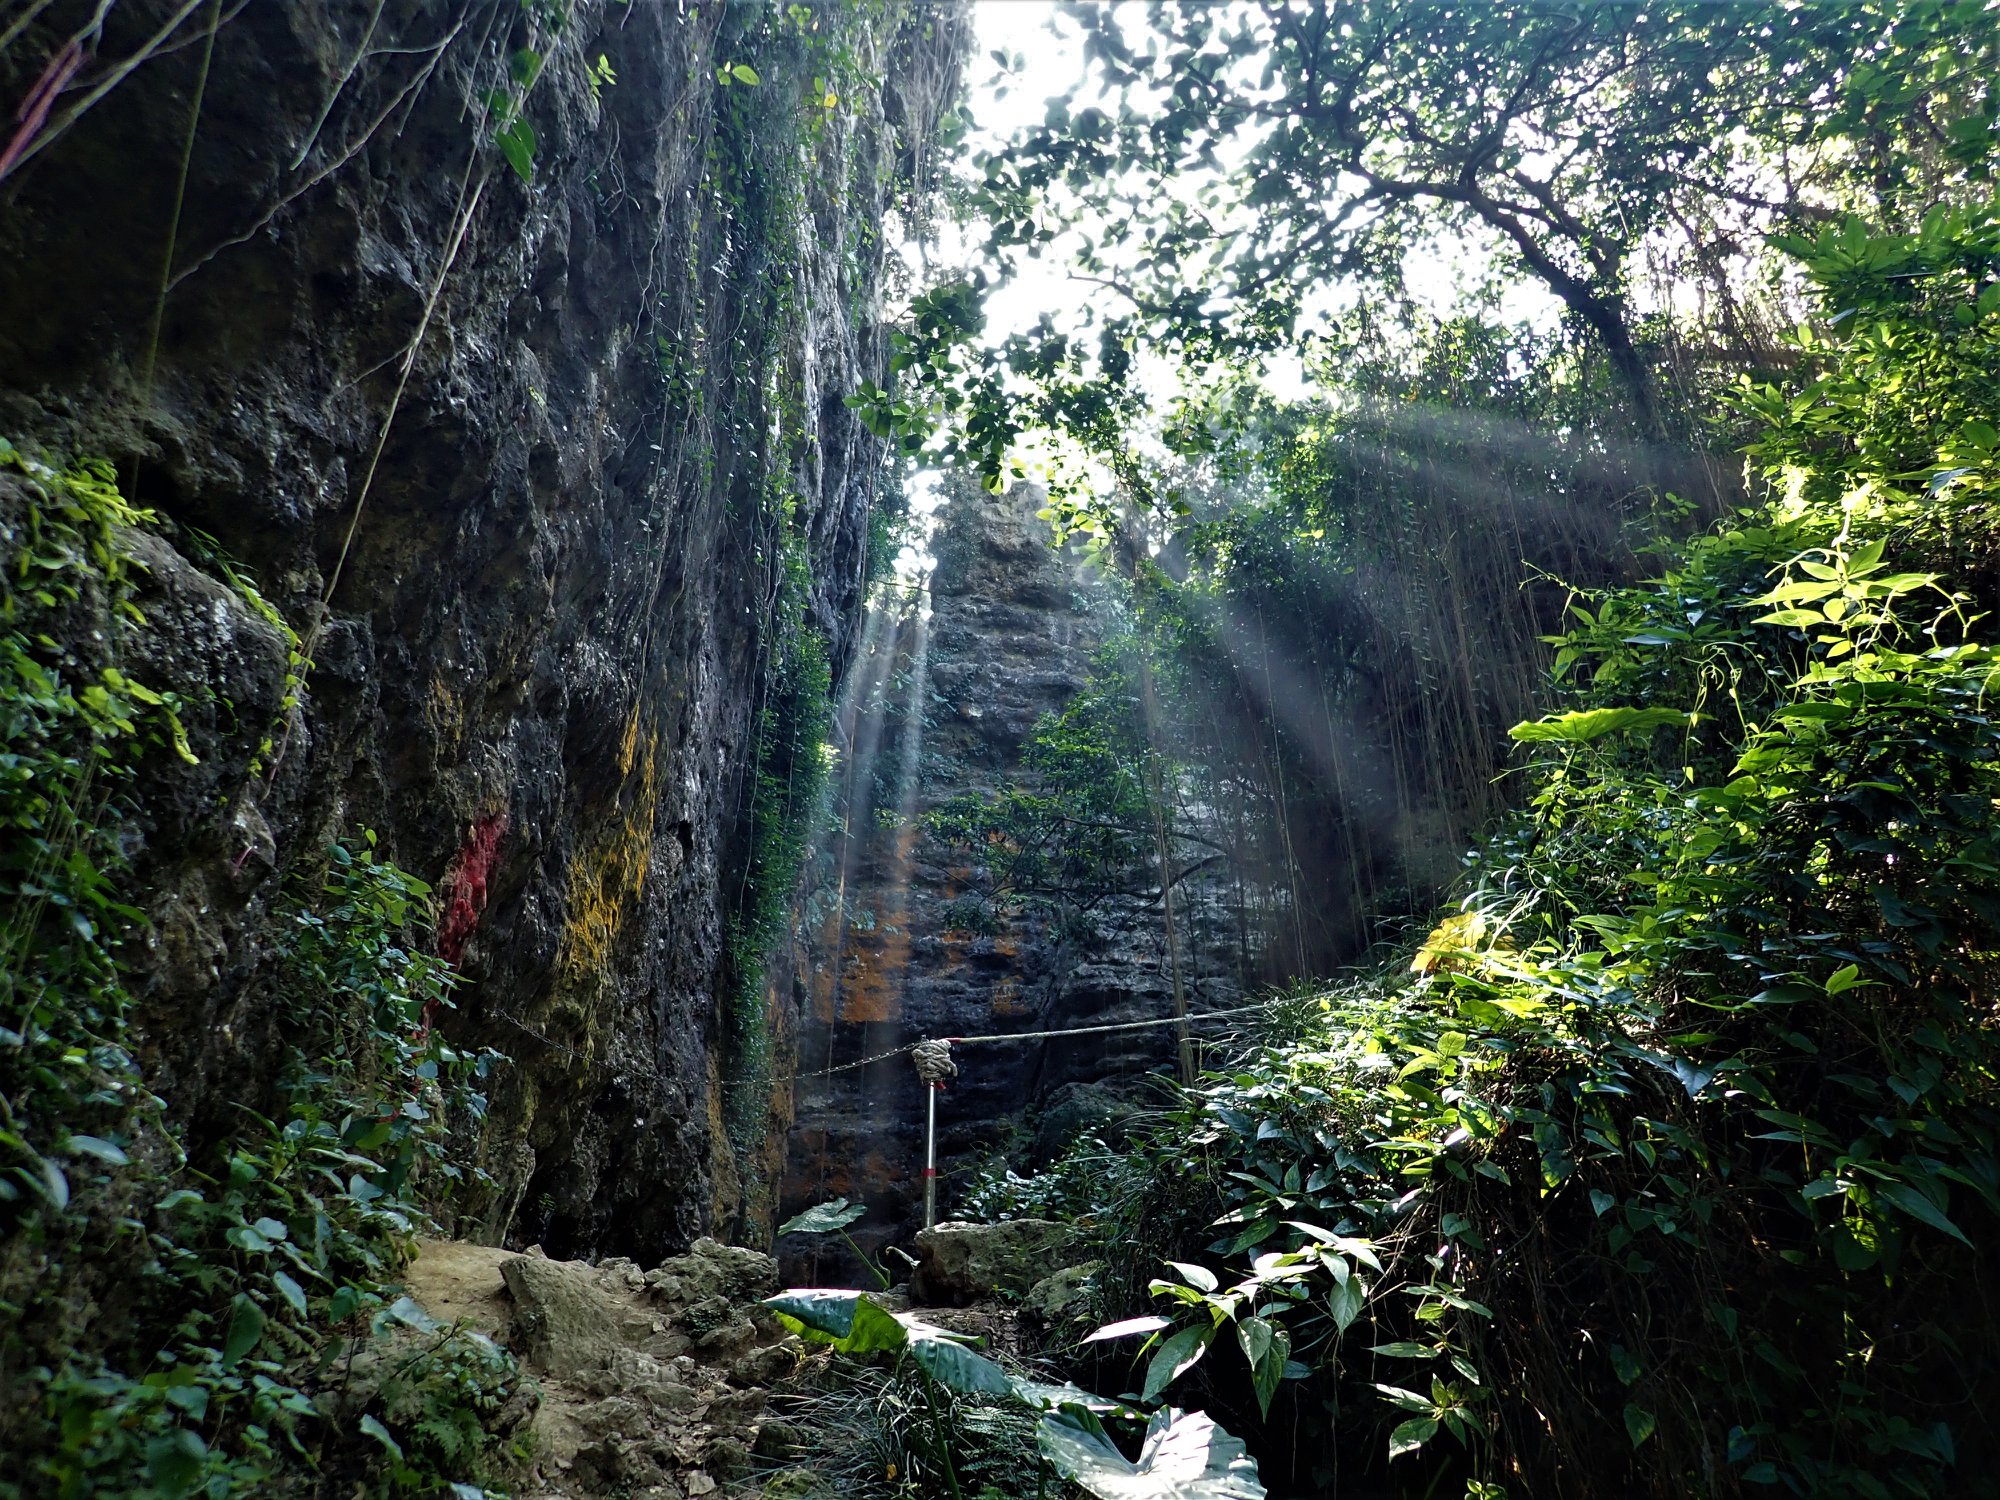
column 896, row 943
column 537, row 444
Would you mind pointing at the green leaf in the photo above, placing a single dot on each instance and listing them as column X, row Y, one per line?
column 1186, row 1456
column 1411, row 1435
column 175, row 1460
column 850, row 1321
column 517, row 143
column 1639, row 1423
column 246, row 1329
column 1175, row 1358
column 827, row 1316
column 953, row 1365
column 291, row 1291
column 1917, row 1206
column 1404, row 1349
column 1196, row 1276
column 380, row 1433
column 410, row 1313
column 90, row 1145
column 1268, row 1348
column 744, row 73
column 1345, row 1302
column 824, row 1218
column 1039, row 1393
column 1152, row 1323
column 1594, row 723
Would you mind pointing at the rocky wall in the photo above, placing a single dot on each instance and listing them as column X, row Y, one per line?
column 897, row 940
column 501, row 350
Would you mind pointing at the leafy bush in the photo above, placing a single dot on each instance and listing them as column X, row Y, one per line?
column 1077, row 1186
column 948, row 1417
column 1667, row 1164
column 184, row 1318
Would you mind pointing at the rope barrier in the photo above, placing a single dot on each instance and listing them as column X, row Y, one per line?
column 1036, row 1036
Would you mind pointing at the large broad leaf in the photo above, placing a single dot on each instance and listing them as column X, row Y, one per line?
column 1186, row 1457
column 823, row 1218
column 1595, row 723
column 1052, row 1397
column 951, row 1364
column 821, row 1315
column 918, row 1329
column 846, row 1320
column 854, row 1323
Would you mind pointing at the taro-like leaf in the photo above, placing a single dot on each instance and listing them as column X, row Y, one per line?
column 854, row 1323
column 1049, row 1397
column 951, row 1364
column 823, row 1218
column 410, row 1313
column 1186, row 1457
column 849, row 1321
column 826, row 1316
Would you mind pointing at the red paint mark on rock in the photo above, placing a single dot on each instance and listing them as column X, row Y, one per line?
column 465, row 883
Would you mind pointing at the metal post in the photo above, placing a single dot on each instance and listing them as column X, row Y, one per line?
column 930, row 1157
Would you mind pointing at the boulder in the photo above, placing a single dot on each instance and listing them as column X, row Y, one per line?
column 710, row 1270
column 570, row 1323
column 1075, row 1110
column 1056, row 1301
column 960, row 1263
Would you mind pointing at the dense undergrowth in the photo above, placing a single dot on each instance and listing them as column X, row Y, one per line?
column 214, row 1316
column 1666, row 1164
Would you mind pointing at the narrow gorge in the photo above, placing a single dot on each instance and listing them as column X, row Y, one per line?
column 968, row 749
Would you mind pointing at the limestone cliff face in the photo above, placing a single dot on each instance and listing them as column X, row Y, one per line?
column 541, row 452
column 890, row 946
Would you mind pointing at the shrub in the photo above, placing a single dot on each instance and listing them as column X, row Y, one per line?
column 1666, row 1165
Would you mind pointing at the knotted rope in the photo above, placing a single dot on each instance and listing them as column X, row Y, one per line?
column 934, row 1062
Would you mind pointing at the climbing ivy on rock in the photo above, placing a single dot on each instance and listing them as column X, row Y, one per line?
column 212, row 1313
